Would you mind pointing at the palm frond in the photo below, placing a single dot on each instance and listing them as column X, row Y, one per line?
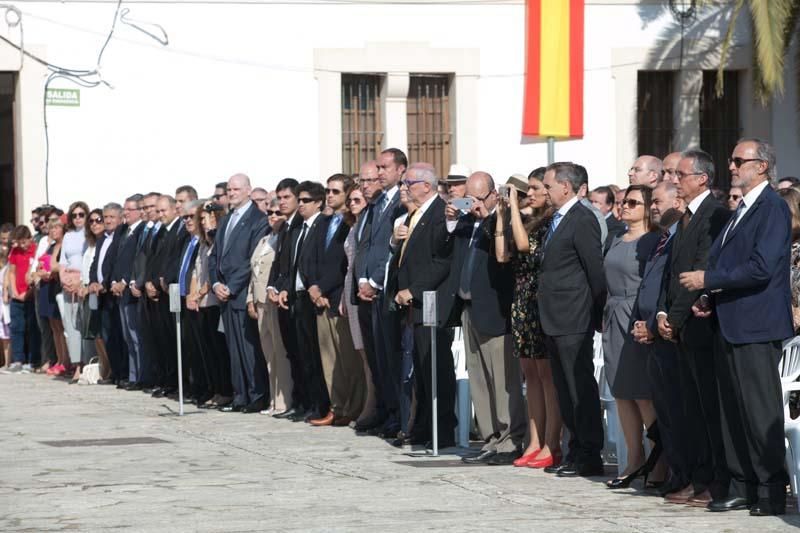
column 770, row 19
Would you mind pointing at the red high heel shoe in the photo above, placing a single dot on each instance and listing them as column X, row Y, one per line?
column 525, row 459
column 553, row 460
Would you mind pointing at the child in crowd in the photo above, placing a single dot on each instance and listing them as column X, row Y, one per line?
column 24, row 332
column 5, row 311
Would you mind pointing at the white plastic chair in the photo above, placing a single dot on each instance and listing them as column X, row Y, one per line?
column 789, row 368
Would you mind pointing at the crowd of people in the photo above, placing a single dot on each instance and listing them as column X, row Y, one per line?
column 305, row 304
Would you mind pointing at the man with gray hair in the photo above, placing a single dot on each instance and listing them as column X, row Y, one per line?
column 646, row 170
column 702, row 221
column 572, row 293
column 100, row 278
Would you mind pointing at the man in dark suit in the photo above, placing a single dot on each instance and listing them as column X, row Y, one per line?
column 423, row 265
column 371, row 188
column 229, row 272
column 147, row 309
column 701, row 223
column 386, row 208
column 662, row 363
column 480, row 290
column 163, row 271
column 128, row 248
column 294, row 296
column 572, row 292
column 341, row 365
column 748, row 280
column 287, row 205
column 602, row 199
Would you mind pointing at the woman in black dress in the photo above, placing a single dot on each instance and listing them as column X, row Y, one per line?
column 525, row 253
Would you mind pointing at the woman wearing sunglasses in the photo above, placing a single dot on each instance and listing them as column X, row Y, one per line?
column 626, row 360
column 72, row 248
column 266, row 315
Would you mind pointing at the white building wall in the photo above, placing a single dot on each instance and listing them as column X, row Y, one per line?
column 243, row 87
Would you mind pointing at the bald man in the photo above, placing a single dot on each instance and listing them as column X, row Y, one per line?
column 229, row 270
column 646, row 170
column 669, row 169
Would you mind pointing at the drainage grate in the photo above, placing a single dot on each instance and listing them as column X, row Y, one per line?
column 436, row 463
column 122, row 441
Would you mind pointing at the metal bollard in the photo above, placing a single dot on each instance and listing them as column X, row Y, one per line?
column 429, row 319
column 175, row 307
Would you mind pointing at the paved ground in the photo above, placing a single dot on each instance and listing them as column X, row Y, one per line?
column 210, row 471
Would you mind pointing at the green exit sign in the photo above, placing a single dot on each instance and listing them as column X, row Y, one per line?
column 63, row 97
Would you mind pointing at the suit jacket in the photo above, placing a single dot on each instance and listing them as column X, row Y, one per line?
column 492, row 283
column 690, row 248
column 303, row 263
column 165, row 261
column 749, row 274
column 646, row 305
column 572, row 283
column 127, row 250
column 192, row 260
column 261, row 266
column 145, row 251
column 109, row 259
column 426, row 262
column 364, row 227
column 381, row 228
column 287, row 234
column 329, row 264
column 231, row 265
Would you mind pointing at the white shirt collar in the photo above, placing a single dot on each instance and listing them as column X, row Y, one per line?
column 242, row 208
column 567, row 206
column 390, row 194
column 135, row 225
column 750, row 198
column 694, row 205
column 176, row 219
column 311, row 219
column 608, row 214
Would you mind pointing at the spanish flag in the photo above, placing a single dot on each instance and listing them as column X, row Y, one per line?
column 554, row 69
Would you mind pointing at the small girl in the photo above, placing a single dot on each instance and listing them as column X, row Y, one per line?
column 5, row 311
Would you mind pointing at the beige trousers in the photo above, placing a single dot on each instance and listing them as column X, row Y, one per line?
column 342, row 366
column 495, row 385
column 280, row 376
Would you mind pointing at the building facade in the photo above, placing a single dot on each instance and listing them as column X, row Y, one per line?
column 308, row 88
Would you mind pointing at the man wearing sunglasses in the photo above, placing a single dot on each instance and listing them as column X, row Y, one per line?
column 702, row 221
column 748, row 291
column 220, row 195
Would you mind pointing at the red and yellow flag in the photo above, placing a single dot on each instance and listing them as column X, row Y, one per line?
column 554, row 69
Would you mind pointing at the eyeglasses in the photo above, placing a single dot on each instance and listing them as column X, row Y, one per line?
column 734, row 197
column 355, row 201
column 133, row 209
column 187, row 218
column 94, row 220
column 409, row 183
column 218, row 196
column 738, row 161
column 273, row 213
column 305, row 200
column 259, row 199
column 682, row 175
column 631, row 203
column 78, row 214
column 335, row 192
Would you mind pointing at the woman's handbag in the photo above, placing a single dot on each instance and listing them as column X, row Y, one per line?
column 90, row 374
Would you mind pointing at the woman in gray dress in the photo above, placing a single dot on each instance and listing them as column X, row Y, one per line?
column 626, row 360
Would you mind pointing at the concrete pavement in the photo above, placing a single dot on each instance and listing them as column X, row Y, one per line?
column 147, row 470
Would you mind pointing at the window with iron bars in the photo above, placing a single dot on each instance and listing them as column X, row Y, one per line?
column 719, row 122
column 362, row 120
column 429, row 127
column 654, row 122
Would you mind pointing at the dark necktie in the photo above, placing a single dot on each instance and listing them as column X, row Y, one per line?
column 299, row 246
column 465, row 287
column 733, row 221
column 662, row 244
column 687, row 216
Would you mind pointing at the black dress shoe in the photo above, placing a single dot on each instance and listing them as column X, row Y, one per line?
column 765, row 508
column 200, row 400
column 107, row 381
column 589, row 469
column 255, row 407
column 231, row 408
column 368, row 425
column 298, row 416
column 285, row 414
column 122, row 383
column 313, row 414
column 481, row 459
column 134, row 386
column 149, row 390
column 555, row 469
column 734, row 503
column 504, row 458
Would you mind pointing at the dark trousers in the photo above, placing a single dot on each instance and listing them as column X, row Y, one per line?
column 166, row 341
column 129, row 319
column 304, row 316
column 703, row 431
column 194, row 367
column 147, row 336
column 25, row 347
column 664, row 375
column 111, row 332
column 388, row 359
column 365, row 321
column 248, row 368
column 578, row 395
column 47, row 347
column 752, row 420
column 218, row 357
column 445, row 380
column 289, row 338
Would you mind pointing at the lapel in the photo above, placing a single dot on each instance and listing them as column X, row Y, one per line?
column 312, row 231
column 654, row 260
column 240, row 222
column 390, row 207
column 753, row 208
column 561, row 225
column 423, row 221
